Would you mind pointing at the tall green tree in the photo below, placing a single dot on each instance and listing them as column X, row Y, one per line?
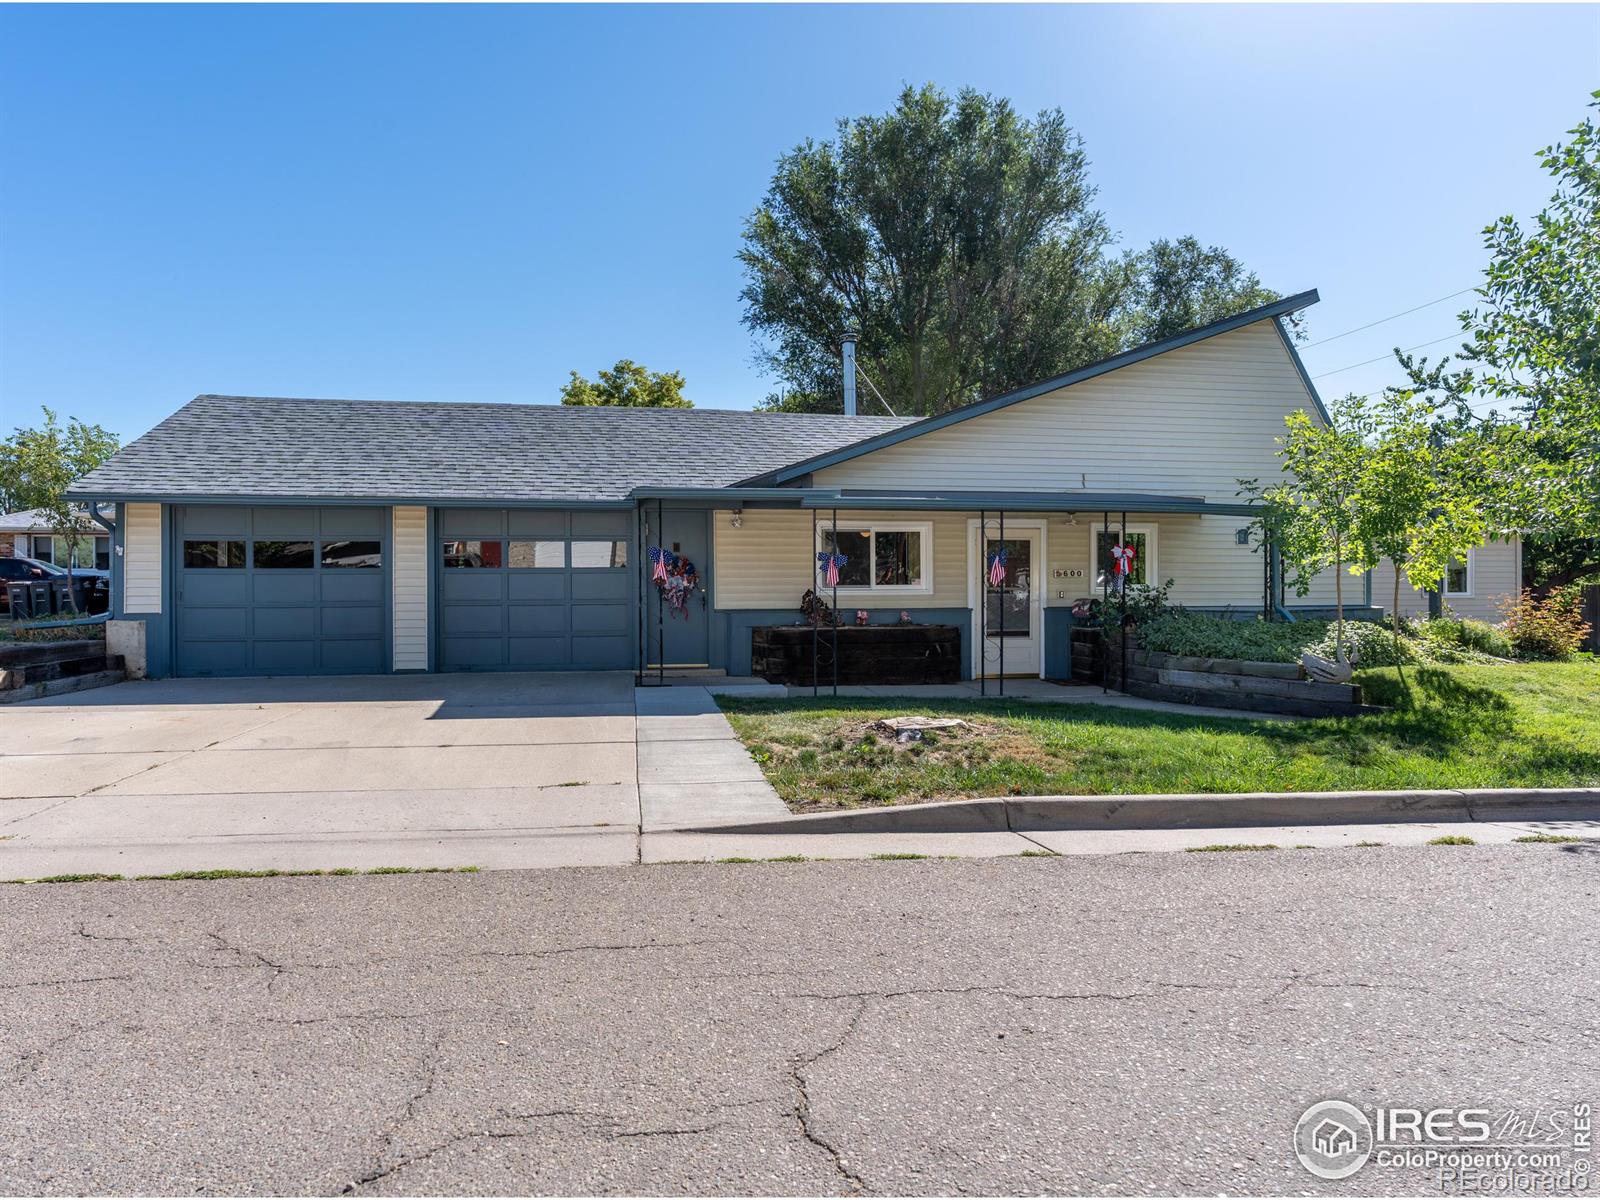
column 1525, row 385
column 627, row 385
column 958, row 238
column 1180, row 284
column 961, row 241
column 38, row 465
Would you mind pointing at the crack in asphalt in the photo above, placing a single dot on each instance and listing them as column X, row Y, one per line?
column 260, row 960
column 58, row 982
column 801, row 1111
column 29, row 1061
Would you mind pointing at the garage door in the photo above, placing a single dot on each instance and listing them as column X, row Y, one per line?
column 530, row 590
column 281, row 591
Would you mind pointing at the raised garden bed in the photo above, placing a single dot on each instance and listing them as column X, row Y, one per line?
column 868, row 654
column 1214, row 682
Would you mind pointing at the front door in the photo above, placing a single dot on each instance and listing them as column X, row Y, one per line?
column 1012, row 637
column 677, row 615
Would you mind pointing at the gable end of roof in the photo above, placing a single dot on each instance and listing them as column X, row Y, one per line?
column 1266, row 312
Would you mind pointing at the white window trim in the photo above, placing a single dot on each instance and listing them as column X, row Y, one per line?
column 1151, row 578
column 1444, row 584
column 856, row 591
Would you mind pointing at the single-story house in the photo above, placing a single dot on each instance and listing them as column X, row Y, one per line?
column 30, row 533
column 284, row 536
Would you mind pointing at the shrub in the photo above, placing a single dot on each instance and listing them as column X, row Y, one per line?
column 1453, row 639
column 1550, row 628
column 1371, row 645
column 1200, row 636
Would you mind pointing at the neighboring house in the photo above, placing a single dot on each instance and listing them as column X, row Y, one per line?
column 30, row 534
column 1482, row 585
column 282, row 536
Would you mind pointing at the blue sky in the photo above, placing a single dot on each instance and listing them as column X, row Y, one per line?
column 430, row 203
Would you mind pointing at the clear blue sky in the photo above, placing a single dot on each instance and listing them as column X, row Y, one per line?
column 467, row 203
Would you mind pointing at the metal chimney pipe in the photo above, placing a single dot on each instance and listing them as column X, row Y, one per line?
column 847, row 349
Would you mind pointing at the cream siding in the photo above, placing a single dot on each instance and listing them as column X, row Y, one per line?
column 409, row 578
column 1496, row 580
column 141, row 558
column 768, row 563
column 1191, row 422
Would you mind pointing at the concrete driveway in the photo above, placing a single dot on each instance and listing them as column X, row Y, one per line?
column 426, row 770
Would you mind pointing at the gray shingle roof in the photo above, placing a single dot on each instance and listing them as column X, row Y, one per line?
column 271, row 447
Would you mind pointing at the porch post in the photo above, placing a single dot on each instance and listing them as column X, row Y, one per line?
column 983, row 602
column 814, row 596
column 836, row 602
column 1002, row 607
column 1124, row 621
column 661, row 608
column 1105, row 602
column 644, row 581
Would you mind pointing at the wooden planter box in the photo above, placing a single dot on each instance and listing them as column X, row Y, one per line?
column 867, row 654
column 1215, row 682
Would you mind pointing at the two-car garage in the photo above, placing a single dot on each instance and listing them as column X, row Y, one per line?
column 289, row 590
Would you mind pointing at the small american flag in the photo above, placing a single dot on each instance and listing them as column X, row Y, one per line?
column 658, row 564
column 830, row 561
column 997, row 568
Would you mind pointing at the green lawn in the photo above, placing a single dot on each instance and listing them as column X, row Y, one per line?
column 1517, row 725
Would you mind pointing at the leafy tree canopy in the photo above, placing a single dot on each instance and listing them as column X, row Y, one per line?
column 627, row 385
column 37, row 465
column 961, row 241
column 1179, row 285
column 1533, row 351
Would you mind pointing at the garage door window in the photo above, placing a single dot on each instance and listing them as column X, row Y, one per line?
column 536, row 555
column 352, row 554
column 208, row 554
column 600, row 554
column 464, row 555
column 282, row 556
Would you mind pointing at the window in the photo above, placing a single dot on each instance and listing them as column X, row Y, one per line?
column 472, row 554
column 352, row 554
column 600, row 554
column 1458, row 577
column 206, row 555
column 282, row 556
column 882, row 558
column 92, row 552
column 1143, row 540
column 537, row 555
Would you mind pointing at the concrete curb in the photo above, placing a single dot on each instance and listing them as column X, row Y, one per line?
column 1022, row 814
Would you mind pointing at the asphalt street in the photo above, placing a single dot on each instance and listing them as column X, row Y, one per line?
column 1130, row 1023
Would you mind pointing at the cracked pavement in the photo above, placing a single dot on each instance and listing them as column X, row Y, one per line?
column 1132, row 1023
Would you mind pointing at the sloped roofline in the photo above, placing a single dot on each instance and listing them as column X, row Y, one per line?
column 1266, row 312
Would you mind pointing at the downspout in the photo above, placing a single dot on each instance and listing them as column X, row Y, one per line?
column 94, row 511
column 1277, row 587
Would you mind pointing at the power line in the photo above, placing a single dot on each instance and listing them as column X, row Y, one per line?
column 1449, row 337
column 1384, row 320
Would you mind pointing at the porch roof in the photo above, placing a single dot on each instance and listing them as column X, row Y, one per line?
column 954, row 500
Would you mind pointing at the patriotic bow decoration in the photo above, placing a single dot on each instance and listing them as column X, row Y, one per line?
column 658, row 564
column 830, row 561
column 1122, row 559
column 997, row 568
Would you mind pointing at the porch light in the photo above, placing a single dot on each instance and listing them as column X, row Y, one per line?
column 737, row 520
